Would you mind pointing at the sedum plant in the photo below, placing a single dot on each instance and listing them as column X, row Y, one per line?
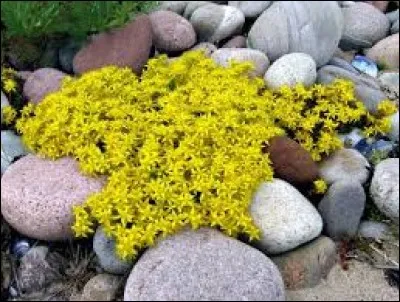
column 181, row 145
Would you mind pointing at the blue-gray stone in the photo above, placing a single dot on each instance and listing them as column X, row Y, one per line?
column 11, row 149
column 104, row 248
column 342, row 208
column 365, row 65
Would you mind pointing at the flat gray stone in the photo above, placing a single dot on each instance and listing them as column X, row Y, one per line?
column 203, row 265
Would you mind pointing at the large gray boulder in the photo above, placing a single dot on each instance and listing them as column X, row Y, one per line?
column 314, row 28
column 203, row 265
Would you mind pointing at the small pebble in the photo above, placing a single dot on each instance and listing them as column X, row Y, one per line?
column 365, row 65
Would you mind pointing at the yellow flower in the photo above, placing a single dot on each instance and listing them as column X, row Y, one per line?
column 183, row 144
column 320, row 186
column 10, row 85
column 9, row 114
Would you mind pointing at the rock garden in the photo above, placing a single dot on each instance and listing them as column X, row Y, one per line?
column 199, row 150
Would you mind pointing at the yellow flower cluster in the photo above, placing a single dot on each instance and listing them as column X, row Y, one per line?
column 9, row 114
column 320, row 186
column 8, row 80
column 181, row 145
column 313, row 116
column 381, row 123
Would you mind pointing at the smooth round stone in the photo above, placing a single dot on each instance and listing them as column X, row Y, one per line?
column 291, row 69
column 171, row 32
column 344, row 164
column 38, row 195
column 128, row 46
column 314, row 28
column 104, row 248
column 4, row 103
column 386, row 52
column 384, row 188
column 192, row 6
column 291, row 162
column 335, row 61
column 307, row 265
column 102, row 287
column 203, row 265
column 174, row 6
column 342, row 208
column 235, row 42
column 251, row 9
column 208, row 48
column 364, row 26
column 394, row 129
column 214, row 23
column 11, row 149
column 395, row 28
column 42, row 82
column 365, row 65
column 260, row 61
column 284, row 216
column 373, row 230
column 393, row 16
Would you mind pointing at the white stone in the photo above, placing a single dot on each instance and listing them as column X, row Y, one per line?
column 290, row 70
column 284, row 216
column 223, row 55
column 384, row 188
column 344, row 164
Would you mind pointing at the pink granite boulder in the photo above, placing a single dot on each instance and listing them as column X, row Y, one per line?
column 37, row 196
column 128, row 46
column 42, row 82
